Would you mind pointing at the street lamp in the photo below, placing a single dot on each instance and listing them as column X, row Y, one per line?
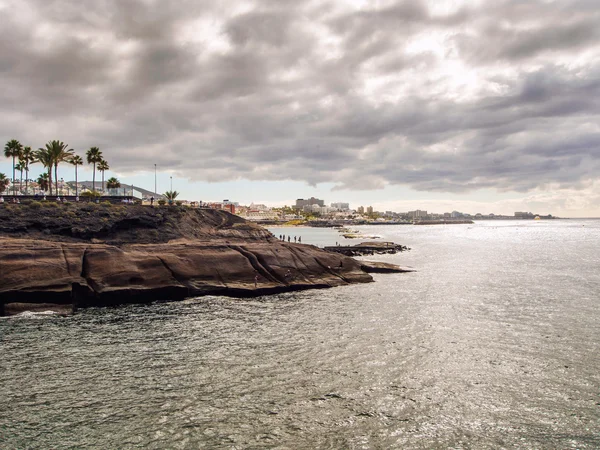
column 171, row 184
column 154, row 179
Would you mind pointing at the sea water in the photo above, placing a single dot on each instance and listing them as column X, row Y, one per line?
column 492, row 343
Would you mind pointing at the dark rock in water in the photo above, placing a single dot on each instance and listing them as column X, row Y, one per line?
column 367, row 248
column 381, row 267
column 122, row 258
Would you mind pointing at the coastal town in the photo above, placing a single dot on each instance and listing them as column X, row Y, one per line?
column 311, row 211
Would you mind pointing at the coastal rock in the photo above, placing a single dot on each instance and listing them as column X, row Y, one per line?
column 367, row 248
column 84, row 275
column 82, row 255
column 382, row 267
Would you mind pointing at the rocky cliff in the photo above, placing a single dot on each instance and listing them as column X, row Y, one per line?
column 97, row 255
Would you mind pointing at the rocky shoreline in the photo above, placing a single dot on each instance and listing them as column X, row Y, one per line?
column 82, row 256
column 368, row 248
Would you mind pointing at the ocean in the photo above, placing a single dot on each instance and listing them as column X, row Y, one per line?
column 494, row 342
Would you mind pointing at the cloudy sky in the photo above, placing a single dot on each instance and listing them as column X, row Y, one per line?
column 480, row 106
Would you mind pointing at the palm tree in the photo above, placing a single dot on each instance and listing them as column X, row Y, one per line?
column 27, row 157
column 55, row 152
column 60, row 153
column 76, row 161
column 20, row 166
column 3, row 183
column 103, row 167
column 113, row 183
column 44, row 156
column 13, row 148
column 94, row 155
column 43, row 182
column 171, row 196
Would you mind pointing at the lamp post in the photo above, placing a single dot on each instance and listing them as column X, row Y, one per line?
column 154, row 178
column 171, row 184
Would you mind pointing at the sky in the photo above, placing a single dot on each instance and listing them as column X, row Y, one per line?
column 475, row 106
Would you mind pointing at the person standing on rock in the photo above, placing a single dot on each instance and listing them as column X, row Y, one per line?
column 299, row 239
column 255, row 281
column 294, row 238
column 289, row 238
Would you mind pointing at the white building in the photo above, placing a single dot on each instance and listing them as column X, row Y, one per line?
column 341, row 206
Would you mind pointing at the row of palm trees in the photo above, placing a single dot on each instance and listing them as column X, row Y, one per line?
column 50, row 156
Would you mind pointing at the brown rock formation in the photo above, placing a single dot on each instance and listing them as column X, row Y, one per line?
column 382, row 267
column 142, row 254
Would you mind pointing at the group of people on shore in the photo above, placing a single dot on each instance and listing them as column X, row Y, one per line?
column 289, row 238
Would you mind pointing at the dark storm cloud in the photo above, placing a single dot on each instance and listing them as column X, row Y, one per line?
column 501, row 95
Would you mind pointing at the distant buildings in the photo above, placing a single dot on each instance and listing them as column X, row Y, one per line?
column 523, row 215
column 258, row 211
column 341, row 206
column 418, row 214
column 319, row 209
column 314, row 209
column 301, row 203
column 225, row 205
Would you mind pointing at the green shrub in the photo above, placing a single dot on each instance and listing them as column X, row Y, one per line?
column 52, row 205
column 35, row 205
column 179, row 203
column 106, row 203
column 90, row 194
column 162, row 202
column 89, row 207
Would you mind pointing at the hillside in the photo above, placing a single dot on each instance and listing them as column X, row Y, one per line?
column 122, row 224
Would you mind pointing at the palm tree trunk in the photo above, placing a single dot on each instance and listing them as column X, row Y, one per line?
column 56, row 177
column 94, row 179
column 76, row 185
column 13, row 178
column 27, row 180
column 21, row 182
column 50, row 179
column 103, row 181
